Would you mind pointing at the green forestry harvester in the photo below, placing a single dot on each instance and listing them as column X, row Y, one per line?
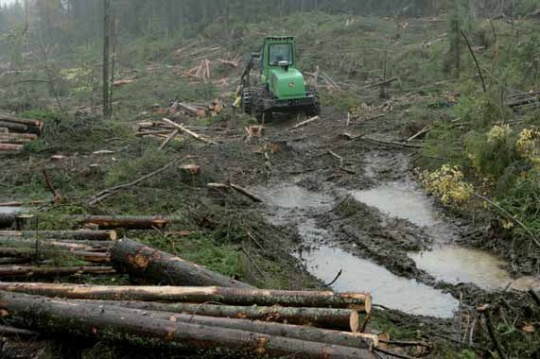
column 279, row 86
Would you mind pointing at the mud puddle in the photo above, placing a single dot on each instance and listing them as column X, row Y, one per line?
column 322, row 257
column 446, row 261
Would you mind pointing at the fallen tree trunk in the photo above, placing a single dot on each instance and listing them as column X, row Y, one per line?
column 71, row 235
column 233, row 296
column 51, row 244
column 138, row 259
column 311, row 334
column 14, row 127
column 21, row 204
column 8, row 219
column 110, row 323
column 19, row 271
column 6, row 331
column 11, row 261
column 340, row 319
column 126, row 222
column 23, row 121
column 8, row 147
column 48, row 252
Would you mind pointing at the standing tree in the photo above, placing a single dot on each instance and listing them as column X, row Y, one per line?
column 106, row 42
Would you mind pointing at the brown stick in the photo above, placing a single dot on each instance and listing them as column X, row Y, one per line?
column 169, row 138
column 189, row 132
column 126, row 222
column 56, row 195
column 306, row 122
column 232, row 296
column 420, row 133
column 140, row 260
column 108, row 323
column 535, row 296
column 103, row 195
column 491, row 330
column 475, row 60
column 236, row 188
column 18, row 271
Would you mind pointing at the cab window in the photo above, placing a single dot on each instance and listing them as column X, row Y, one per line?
column 280, row 52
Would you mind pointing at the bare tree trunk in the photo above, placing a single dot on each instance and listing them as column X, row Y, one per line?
column 106, row 58
column 233, row 296
column 113, row 323
column 340, row 319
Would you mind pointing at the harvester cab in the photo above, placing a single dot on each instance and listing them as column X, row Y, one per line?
column 279, row 86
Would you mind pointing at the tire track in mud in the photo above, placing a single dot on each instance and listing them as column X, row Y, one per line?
column 372, row 222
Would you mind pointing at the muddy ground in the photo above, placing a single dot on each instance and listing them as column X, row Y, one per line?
column 330, row 190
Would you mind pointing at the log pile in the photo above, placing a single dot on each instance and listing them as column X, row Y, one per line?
column 15, row 132
column 193, row 308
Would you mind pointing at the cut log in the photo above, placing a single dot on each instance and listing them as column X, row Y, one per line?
column 19, row 271
column 14, row 127
column 340, row 319
column 6, row 331
column 9, row 219
column 110, row 323
column 189, row 132
column 32, row 253
column 349, row 339
column 32, row 244
column 23, row 121
column 83, row 235
column 11, row 261
column 8, row 147
column 126, row 222
column 22, row 204
column 232, row 296
column 25, row 136
column 140, row 260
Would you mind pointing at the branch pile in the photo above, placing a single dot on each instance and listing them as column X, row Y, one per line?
column 213, row 312
column 15, row 132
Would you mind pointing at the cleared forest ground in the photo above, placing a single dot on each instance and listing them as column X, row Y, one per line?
column 365, row 139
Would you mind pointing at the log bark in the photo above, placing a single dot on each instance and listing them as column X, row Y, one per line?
column 6, row 331
column 32, row 244
column 348, row 339
column 126, row 222
column 14, row 127
column 140, row 260
column 33, row 126
column 110, row 323
column 232, row 296
column 339, row 319
column 9, row 219
column 11, row 261
column 8, row 147
column 31, row 253
column 21, row 204
column 20, row 271
column 83, row 235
